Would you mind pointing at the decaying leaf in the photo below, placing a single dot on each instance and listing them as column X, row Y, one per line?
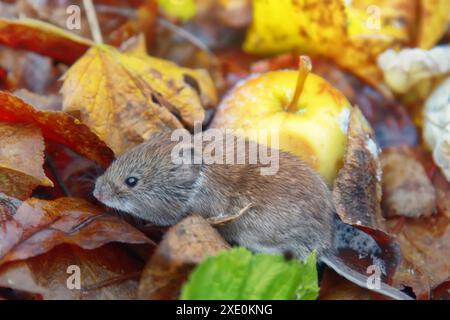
column 357, row 196
column 442, row 292
column 433, row 22
column 183, row 246
column 334, row 287
column 21, row 160
column 37, row 226
column 406, row 68
column 407, row 190
column 43, row 38
column 442, row 187
column 424, row 244
column 124, row 98
column 331, row 28
column 436, row 129
column 56, row 126
column 28, row 70
column 106, row 273
column 145, row 22
column 357, row 189
column 41, row 102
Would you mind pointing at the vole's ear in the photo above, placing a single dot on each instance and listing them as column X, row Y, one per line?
column 187, row 160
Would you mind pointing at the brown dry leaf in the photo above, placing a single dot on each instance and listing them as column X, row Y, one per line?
column 29, row 71
column 41, row 102
column 357, row 194
column 111, row 15
column 43, row 38
column 57, row 126
column 107, row 273
column 425, row 244
column 183, row 246
column 124, row 98
column 334, row 287
column 21, row 160
column 37, row 226
column 357, row 189
column 442, row 187
column 442, row 292
column 145, row 22
column 407, row 275
column 433, row 22
column 407, row 190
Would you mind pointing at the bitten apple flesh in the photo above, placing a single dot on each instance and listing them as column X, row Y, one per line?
column 314, row 128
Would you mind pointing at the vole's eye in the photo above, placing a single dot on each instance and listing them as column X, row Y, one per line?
column 131, row 181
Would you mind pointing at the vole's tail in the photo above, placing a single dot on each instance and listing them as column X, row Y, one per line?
column 361, row 280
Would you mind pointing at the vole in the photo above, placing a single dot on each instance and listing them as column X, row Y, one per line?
column 289, row 211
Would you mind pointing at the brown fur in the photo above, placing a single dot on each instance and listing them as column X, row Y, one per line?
column 291, row 211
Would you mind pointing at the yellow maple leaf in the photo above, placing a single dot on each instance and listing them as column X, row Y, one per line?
column 125, row 97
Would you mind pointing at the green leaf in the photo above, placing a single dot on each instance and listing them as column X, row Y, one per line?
column 308, row 289
column 182, row 9
column 238, row 274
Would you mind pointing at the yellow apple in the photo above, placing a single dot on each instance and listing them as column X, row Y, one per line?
column 309, row 115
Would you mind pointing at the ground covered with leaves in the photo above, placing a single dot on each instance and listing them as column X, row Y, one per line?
column 74, row 97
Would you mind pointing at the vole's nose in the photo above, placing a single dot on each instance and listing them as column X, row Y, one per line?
column 100, row 192
column 97, row 194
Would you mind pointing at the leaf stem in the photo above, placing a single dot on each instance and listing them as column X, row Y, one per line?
column 93, row 21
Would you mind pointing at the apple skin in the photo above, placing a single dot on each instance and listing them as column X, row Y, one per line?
column 316, row 131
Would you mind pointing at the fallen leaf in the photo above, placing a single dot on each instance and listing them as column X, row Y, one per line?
column 73, row 174
column 433, row 22
column 106, row 273
column 42, row 102
column 357, row 196
column 183, row 246
column 408, row 68
column 43, row 38
column 28, row 70
column 362, row 247
column 407, row 190
column 424, row 244
column 334, row 287
column 145, row 23
column 111, row 15
column 357, row 189
column 436, row 126
column 37, row 226
column 305, row 26
column 57, row 126
column 331, row 28
column 442, row 292
column 240, row 275
column 408, row 276
column 442, row 187
column 21, row 160
column 124, row 98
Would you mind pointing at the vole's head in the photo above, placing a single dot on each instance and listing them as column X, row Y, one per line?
column 146, row 182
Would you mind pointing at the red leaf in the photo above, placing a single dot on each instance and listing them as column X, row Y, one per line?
column 57, row 126
column 39, row 225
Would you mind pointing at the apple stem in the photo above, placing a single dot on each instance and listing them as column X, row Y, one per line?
column 304, row 68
